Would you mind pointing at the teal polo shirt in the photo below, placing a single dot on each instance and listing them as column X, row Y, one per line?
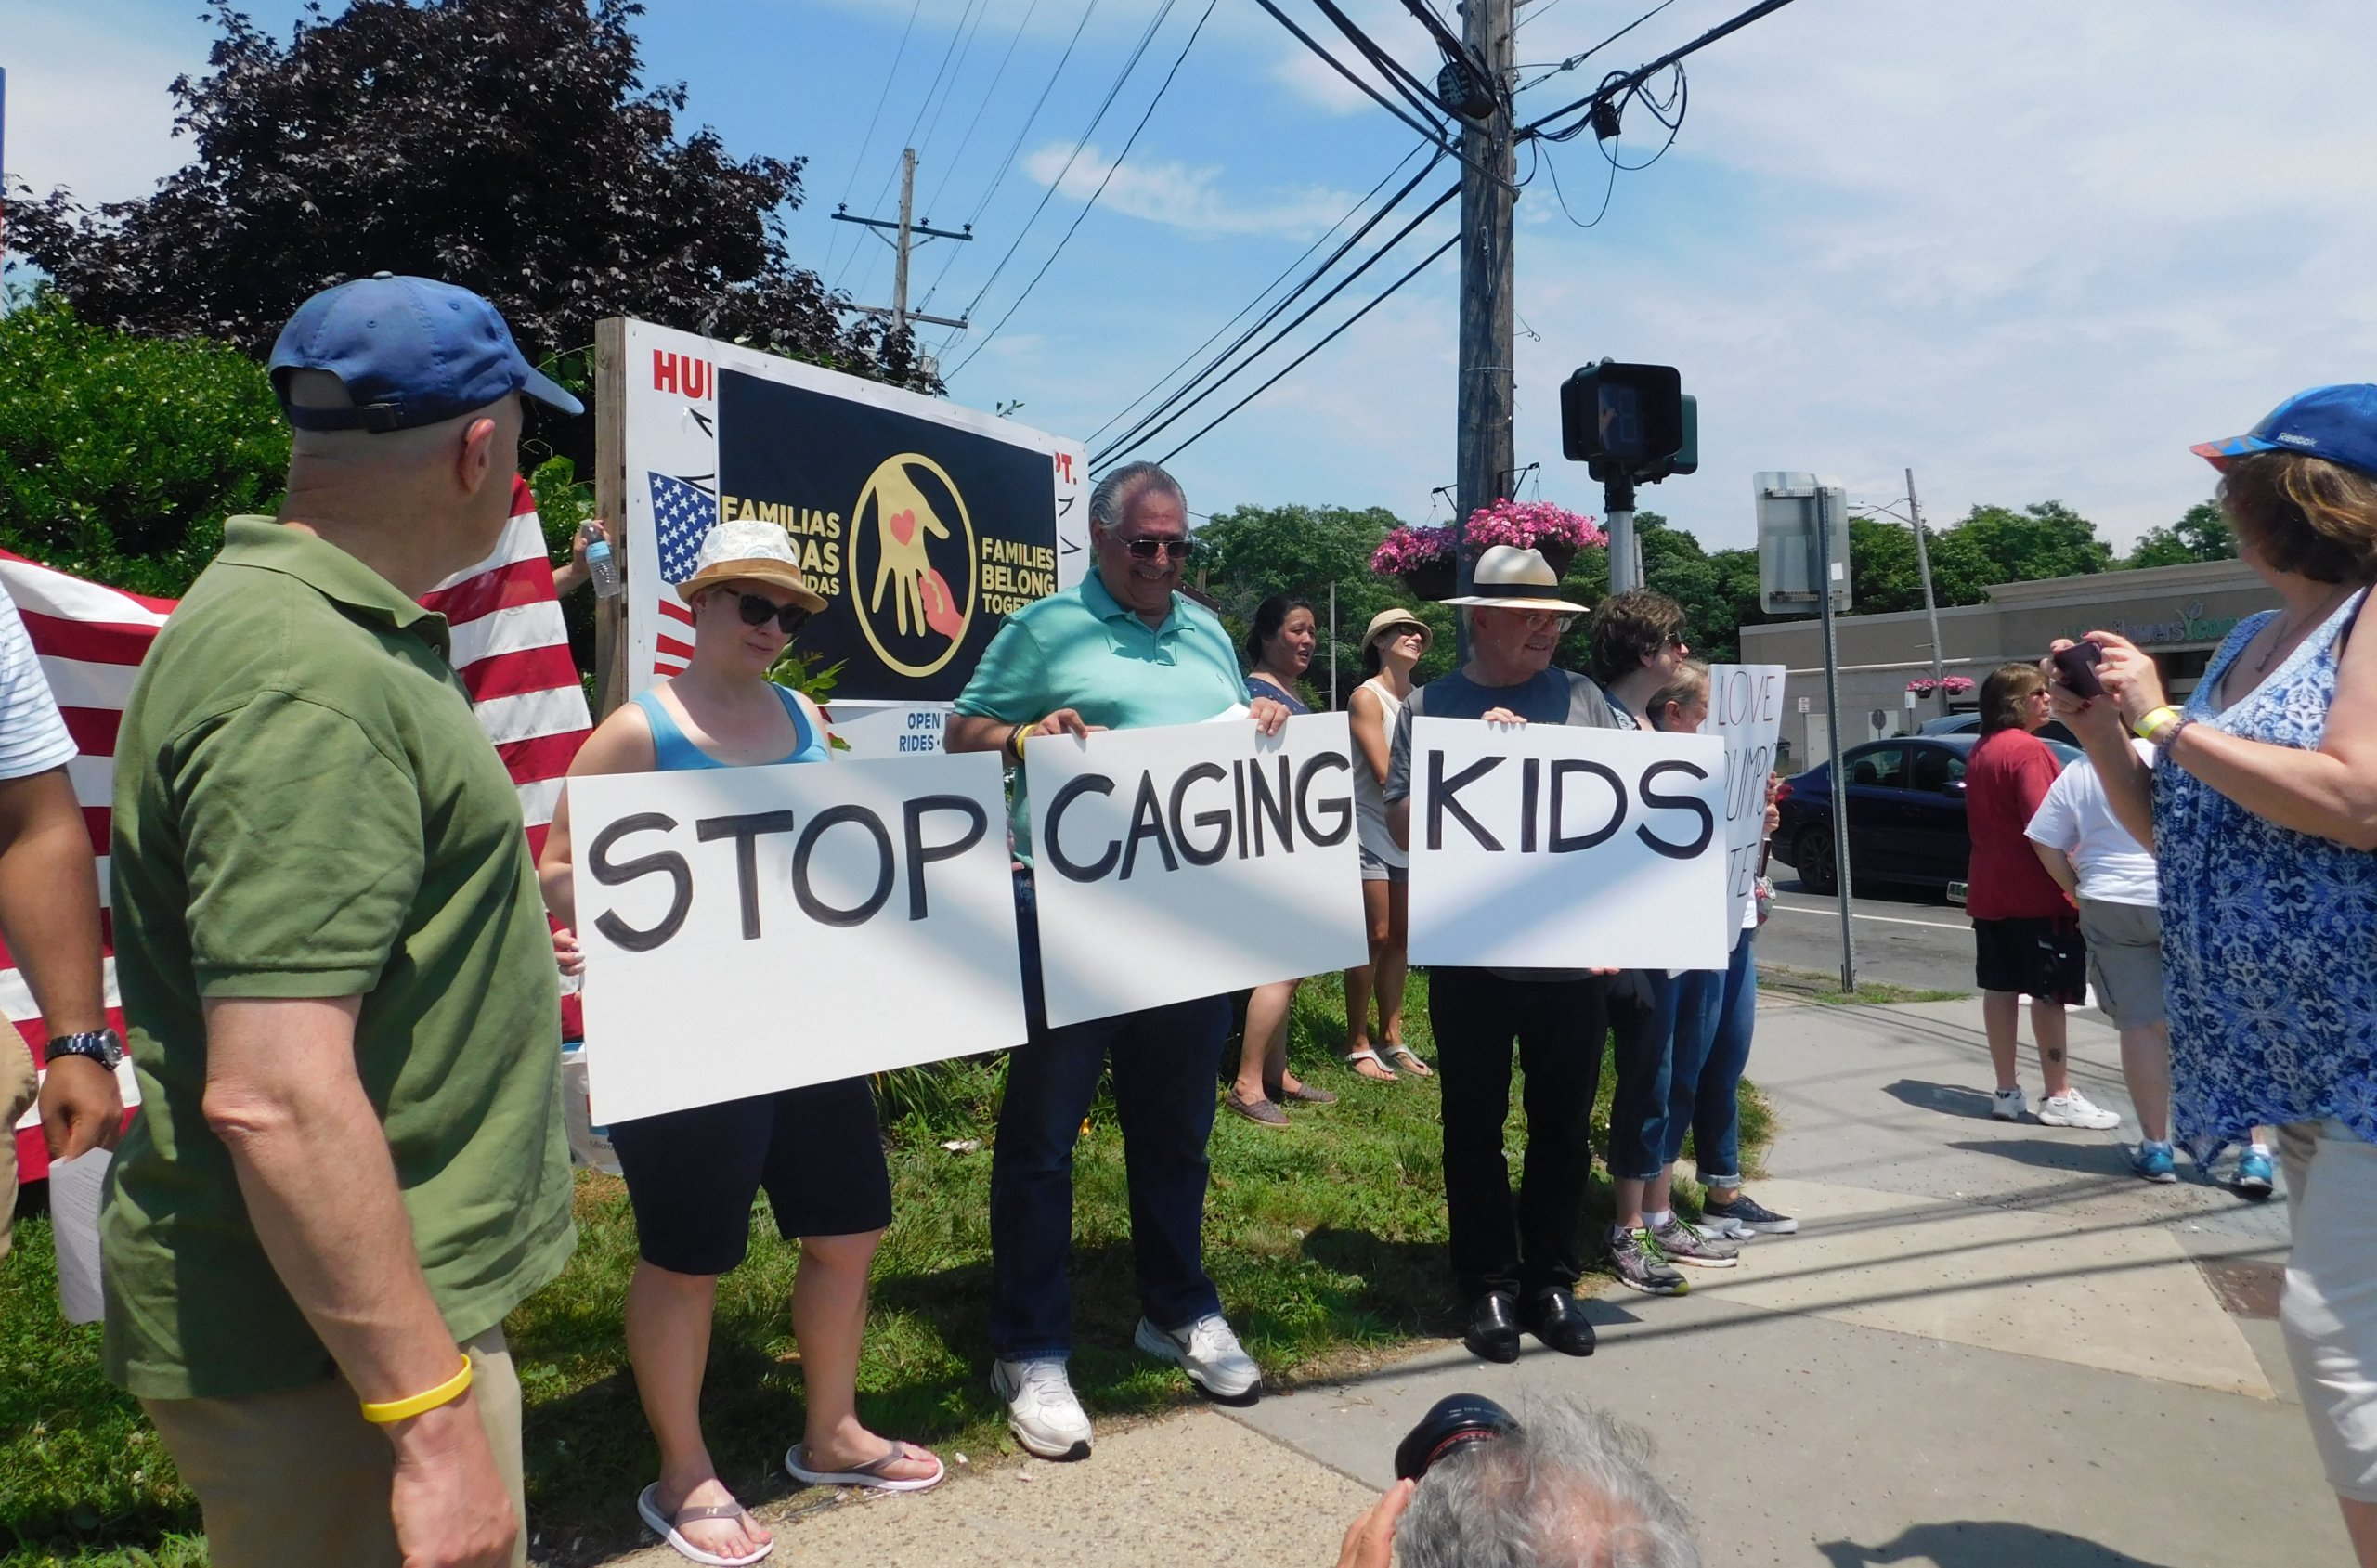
column 1079, row 648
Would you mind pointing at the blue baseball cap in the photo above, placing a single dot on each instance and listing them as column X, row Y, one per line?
column 410, row 351
column 2335, row 423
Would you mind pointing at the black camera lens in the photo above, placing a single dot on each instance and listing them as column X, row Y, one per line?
column 1451, row 1421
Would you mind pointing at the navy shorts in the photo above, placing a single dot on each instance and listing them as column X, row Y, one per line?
column 692, row 1175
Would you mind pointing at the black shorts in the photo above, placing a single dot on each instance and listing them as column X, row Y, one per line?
column 2035, row 956
column 692, row 1175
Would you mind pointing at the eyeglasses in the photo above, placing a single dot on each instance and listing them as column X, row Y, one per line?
column 757, row 609
column 1148, row 549
column 1537, row 621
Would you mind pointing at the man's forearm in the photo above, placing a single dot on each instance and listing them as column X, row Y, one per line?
column 974, row 732
column 49, row 900
column 313, row 1165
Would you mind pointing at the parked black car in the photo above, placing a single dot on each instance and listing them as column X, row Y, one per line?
column 1907, row 814
column 1969, row 724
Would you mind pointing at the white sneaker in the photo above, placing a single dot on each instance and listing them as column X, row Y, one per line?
column 2007, row 1105
column 1210, row 1353
column 2070, row 1109
column 1041, row 1409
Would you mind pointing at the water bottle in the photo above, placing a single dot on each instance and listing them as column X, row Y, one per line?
column 603, row 568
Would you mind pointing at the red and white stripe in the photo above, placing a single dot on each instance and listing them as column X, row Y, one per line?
column 673, row 647
column 510, row 646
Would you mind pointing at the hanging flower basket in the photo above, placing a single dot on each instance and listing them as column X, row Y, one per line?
column 1421, row 557
column 1424, row 557
column 1953, row 685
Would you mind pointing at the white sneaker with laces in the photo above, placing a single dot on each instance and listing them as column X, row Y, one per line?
column 1041, row 1409
column 2070, row 1109
column 1210, row 1353
column 2007, row 1105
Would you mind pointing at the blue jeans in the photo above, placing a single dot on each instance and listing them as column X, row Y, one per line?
column 1638, row 1056
column 1714, row 1015
column 1166, row 1063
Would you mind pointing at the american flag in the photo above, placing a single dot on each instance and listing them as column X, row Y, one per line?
column 682, row 513
column 510, row 646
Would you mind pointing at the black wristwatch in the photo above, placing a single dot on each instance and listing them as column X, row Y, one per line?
column 101, row 1045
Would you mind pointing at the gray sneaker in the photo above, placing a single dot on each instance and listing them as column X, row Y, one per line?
column 1686, row 1243
column 1642, row 1265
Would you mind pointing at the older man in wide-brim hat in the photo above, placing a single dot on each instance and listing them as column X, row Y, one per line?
column 1515, row 1267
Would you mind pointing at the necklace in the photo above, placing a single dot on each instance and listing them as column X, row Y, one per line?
column 2286, row 639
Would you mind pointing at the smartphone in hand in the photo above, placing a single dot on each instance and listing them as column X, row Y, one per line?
column 2077, row 665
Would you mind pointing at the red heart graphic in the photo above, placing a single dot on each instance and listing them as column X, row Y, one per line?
column 903, row 525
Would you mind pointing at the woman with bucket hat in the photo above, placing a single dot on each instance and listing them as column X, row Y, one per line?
column 2263, row 815
column 1392, row 647
column 692, row 1175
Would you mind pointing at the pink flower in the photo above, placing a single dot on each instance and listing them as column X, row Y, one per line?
column 1408, row 549
column 1528, row 524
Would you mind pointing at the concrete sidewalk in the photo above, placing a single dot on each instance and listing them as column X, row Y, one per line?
column 1989, row 1345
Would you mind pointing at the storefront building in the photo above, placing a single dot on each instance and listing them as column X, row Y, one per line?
column 2177, row 614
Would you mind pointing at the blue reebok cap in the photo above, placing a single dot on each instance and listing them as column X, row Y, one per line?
column 411, row 351
column 2335, row 423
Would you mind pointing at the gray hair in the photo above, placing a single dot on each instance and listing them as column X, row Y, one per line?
column 1690, row 684
column 1114, row 493
column 1571, row 1488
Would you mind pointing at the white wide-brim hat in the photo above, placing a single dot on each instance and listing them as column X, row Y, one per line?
column 1395, row 620
column 753, row 552
column 1507, row 577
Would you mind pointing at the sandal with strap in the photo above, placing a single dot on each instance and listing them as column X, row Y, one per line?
column 869, row 1474
column 665, row 1526
column 1360, row 1061
column 1409, row 1062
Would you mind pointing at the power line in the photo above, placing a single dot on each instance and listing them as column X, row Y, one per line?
column 1261, row 294
column 1379, row 300
column 1080, row 142
column 1574, row 60
column 960, row 42
column 1111, row 169
column 988, row 94
column 867, row 140
column 1170, row 410
column 1433, row 134
column 1617, row 87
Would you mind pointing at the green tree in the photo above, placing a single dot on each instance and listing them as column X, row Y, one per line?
column 2045, row 539
column 122, row 455
column 2201, row 533
column 1245, row 556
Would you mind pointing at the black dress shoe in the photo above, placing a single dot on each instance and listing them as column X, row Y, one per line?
column 1493, row 1329
column 1552, row 1315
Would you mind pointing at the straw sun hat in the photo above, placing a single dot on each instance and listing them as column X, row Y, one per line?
column 750, row 550
column 1507, row 577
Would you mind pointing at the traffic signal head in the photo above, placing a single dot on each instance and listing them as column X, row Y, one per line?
column 1624, row 421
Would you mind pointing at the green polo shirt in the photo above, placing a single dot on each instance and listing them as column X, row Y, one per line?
column 1079, row 648
column 306, row 807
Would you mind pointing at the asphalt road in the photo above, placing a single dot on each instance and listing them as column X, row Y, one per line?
column 1908, row 937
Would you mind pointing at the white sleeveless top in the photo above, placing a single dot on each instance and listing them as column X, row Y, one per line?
column 1369, row 803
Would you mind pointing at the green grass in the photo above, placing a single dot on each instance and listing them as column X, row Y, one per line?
column 1327, row 1242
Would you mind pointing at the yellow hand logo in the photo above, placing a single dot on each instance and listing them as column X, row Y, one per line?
column 903, row 520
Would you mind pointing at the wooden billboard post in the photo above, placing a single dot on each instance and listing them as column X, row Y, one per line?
column 611, row 505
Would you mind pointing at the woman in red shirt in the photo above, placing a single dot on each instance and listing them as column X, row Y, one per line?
column 2026, row 931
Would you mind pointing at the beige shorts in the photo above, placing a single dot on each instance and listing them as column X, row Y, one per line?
column 19, row 1088
column 2330, row 1306
column 300, row 1476
column 2126, row 961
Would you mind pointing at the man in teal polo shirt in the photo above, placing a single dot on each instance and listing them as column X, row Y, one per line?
column 1123, row 650
column 339, row 981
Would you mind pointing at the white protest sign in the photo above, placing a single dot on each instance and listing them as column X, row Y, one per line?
column 750, row 929
column 1746, row 712
column 1554, row 847
column 1188, row 860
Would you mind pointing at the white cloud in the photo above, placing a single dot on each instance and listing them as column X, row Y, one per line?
column 1184, row 195
column 87, row 105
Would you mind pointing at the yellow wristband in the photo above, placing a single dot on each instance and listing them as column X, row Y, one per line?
column 2146, row 727
column 446, row 1392
column 1023, row 734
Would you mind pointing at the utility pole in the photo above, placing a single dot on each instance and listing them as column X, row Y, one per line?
column 1930, row 607
column 908, row 234
column 1484, row 442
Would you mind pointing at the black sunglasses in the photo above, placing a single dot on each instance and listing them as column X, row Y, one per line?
column 1148, row 549
column 758, row 609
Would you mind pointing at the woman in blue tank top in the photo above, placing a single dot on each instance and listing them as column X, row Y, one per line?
column 692, row 1175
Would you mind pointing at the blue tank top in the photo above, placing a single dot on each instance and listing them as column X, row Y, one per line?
column 673, row 752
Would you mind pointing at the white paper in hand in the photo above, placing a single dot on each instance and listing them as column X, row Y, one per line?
column 75, row 1221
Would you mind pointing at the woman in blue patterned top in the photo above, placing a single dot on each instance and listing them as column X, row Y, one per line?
column 2263, row 816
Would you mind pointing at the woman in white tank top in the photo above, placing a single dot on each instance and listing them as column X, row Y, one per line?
column 1390, row 648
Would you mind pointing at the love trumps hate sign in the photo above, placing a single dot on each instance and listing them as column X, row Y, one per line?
column 1551, row 847
column 1746, row 712
column 750, row 929
column 1192, row 860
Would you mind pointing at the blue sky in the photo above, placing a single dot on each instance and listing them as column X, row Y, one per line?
column 2028, row 249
